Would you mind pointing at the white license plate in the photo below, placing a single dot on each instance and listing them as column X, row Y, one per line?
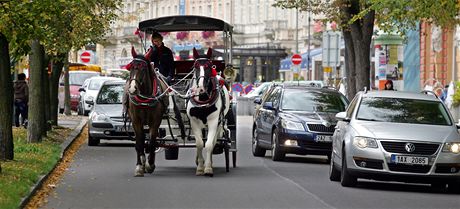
column 411, row 160
column 123, row 129
column 323, row 138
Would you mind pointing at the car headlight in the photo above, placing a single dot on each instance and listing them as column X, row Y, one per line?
column 98, row 117
column 453, row 147
column 365, row 142
column 292, row 125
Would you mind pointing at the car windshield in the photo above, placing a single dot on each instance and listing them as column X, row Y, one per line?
column 79, row 78
column 313, row 101
column 95, row 84
column 400, row 110
column 110, row 94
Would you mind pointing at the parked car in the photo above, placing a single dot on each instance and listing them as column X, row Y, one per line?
column 392, row 135
column 296, row 119
column 259, row 90
column 88, row 91
column 76, row 79
column 106, row 119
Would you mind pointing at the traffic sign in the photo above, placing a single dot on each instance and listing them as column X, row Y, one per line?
column 85, row 57
column 296, row 59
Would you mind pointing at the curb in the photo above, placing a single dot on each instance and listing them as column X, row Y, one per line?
column 64, row 146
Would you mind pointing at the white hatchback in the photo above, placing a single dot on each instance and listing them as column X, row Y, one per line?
column 402, row 136
column 88, row 92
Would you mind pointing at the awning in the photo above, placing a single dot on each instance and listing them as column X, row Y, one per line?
column 286, row 63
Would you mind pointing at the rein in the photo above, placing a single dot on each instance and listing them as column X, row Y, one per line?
column 143, row 101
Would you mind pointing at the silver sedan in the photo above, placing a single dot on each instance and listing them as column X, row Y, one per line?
column 391, row 135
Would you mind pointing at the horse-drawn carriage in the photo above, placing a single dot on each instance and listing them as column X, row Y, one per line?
column 192, row 110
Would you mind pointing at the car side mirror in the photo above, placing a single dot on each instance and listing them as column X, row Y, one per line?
column 90, row 102
column 268, row 106
column 258, row 100
column 342, row 116
column 81, row 89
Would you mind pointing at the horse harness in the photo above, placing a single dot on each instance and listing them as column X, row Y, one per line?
column 145, row 101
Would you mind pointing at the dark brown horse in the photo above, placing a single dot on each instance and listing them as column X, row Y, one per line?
column 147, row 104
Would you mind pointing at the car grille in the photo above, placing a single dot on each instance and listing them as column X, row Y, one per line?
column 315, row 145
column 102, row 125
column 409, row 168
column 420, row 148
column 321, row 128
column 117, row 119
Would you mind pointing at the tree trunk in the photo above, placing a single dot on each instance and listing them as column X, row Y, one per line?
column 66, row 86
column 36, row 99
column 56, row 71
column 350, row 65
column 46, row 92
column 358, row 37
column 6, row 102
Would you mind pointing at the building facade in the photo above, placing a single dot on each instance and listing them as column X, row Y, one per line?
column 263, row 34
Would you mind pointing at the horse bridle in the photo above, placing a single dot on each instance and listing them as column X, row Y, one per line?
column 138, row 79
column 206, row 80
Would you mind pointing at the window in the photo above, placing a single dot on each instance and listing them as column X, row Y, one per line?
column 401, row 110
column 313, row 101
column 110, row 94
column 352, row 106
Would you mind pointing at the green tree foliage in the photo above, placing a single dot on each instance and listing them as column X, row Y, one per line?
column 56, row 25
column 356, row 20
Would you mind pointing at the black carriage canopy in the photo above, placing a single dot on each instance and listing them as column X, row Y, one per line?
column 184, row 23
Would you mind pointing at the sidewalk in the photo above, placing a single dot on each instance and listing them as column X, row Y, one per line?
column 73, row 122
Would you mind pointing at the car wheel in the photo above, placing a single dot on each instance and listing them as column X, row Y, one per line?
column 256, row 149
column 93, row 141
column 334, row 173
column 346, row 179
column 277, row 153
column 85, row 113
column 79, row 109
column 61, row 110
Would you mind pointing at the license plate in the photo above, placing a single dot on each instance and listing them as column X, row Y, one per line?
column 411, row 160
column 123, row 129
column 323, row 138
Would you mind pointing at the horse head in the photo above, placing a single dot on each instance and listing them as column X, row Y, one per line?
column 204, row 75
column 141, row 75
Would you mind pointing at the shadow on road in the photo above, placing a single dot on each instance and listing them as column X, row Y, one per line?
column 400, row 187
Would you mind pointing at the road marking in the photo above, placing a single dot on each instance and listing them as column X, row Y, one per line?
column 298, row 186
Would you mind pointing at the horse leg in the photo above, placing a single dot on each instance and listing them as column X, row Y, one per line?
column 199, row 150
column 140, row 143
column 153, row 132
column 209, row 147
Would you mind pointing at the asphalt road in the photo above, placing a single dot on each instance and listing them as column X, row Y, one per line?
column 102, row 177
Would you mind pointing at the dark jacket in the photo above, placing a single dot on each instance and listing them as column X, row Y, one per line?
column 162, row 58
column 21, row 91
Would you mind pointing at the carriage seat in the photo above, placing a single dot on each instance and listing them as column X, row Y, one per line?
column 183, row 67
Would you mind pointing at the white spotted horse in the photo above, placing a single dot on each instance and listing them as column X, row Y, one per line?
column 207, row 107
column 147, row 104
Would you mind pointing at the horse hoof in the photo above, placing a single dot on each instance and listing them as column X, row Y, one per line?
column 149, row 169
column 199, row 172
column 208, row 172
column 139, row 171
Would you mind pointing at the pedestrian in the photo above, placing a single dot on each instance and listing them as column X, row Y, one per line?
column 21, row 100
column 162, row 57
column 389, row 85
column 444, row 93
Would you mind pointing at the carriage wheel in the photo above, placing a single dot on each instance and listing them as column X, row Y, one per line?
column 227, row 160
column 234, row 158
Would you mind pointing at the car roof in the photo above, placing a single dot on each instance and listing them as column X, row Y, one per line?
column 114, row 82
column 401, row 94
column 104, row 78
column 84, row 71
